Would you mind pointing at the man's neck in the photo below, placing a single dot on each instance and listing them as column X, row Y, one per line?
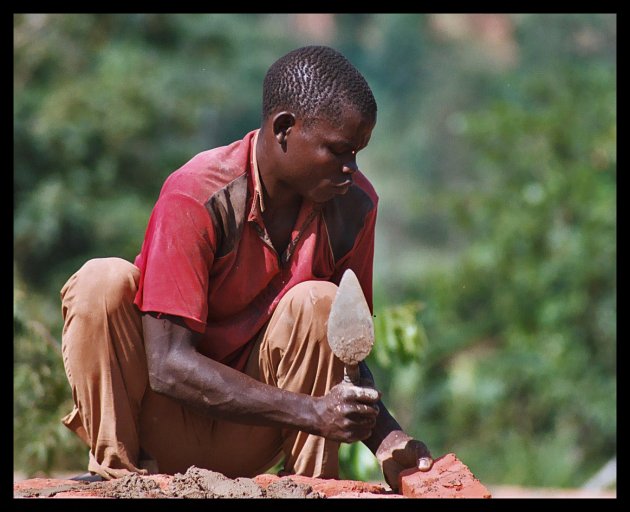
column 277, row 197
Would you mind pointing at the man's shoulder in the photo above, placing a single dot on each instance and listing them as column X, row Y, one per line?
column 211, row 170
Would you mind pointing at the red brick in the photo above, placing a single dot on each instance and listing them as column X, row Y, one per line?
column 331, row 487
column 448, row 478
column 40, row 483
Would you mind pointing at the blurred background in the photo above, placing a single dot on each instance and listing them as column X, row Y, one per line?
column 494, row 157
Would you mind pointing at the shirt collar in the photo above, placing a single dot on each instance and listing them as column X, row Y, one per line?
column 258, row 203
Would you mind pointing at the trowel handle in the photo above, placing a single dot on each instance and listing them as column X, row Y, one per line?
column 351, row 374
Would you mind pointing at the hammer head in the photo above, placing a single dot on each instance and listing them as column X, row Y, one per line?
column 350, row 324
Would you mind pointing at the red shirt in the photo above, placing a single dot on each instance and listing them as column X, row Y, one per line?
column 207, row 258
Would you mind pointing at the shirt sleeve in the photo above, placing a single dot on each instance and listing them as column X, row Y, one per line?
column 175, row 260
column 361, row 258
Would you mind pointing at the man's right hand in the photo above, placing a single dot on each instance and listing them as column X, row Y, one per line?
column 347, row 413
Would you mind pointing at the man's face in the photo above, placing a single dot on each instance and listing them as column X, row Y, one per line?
column 322, row 157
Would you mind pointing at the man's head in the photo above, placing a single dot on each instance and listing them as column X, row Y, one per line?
column 316, row 82
column 318, row 113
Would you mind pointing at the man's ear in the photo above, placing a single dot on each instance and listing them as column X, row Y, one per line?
column 282, row 124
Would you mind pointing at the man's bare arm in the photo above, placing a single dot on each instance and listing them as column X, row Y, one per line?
column 178, row 370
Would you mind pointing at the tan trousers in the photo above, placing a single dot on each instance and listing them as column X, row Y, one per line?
column 118, row 415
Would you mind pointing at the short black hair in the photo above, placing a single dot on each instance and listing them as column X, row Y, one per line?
column 316, row 82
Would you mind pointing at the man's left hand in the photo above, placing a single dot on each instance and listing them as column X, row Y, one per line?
column 397, row 452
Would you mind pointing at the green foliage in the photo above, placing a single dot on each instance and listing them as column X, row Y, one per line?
column 401, row 336
column 495, row 266
column 529, row 362
column 356, row 462
column 103, row 113
column 41, row 396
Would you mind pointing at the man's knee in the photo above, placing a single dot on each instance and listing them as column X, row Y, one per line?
column 100, row 282
column 307, row 307
column 313, row 298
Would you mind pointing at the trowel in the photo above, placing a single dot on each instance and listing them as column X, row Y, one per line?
column 350, row 326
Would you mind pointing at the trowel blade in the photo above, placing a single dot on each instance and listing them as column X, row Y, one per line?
column 350, row 324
